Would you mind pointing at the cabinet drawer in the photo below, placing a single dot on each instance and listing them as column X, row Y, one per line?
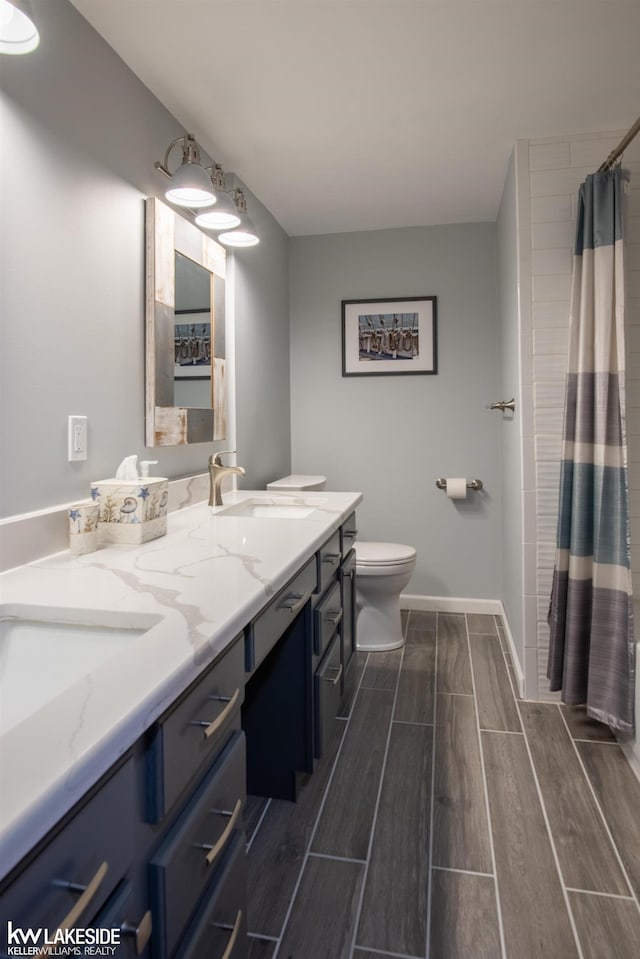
column 187, row 860
column 135, row 926
column 73, row 875
column 194, row 729
column 265, row 631
column 329, row 557
column 219, row 930
column 328, row 692
column 348, row 534
column 327, row 617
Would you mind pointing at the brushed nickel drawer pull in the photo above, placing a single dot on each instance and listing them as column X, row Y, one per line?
column 235, row 929
column 211, row 728
column 214, row 851
column 88, row 893
column 294, row 603
column 334, row 617
column 331, row 558
column 336, row 680
column 350, row 533
column 142, row 931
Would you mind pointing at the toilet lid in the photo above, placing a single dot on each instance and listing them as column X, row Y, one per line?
column 384, row 554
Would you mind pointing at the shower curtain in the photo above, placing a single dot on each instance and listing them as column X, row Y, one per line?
column 592, row 649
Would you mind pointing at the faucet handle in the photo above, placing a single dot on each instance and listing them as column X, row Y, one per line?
column 215, row 458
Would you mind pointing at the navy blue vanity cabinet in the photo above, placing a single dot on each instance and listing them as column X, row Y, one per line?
column 69, row 876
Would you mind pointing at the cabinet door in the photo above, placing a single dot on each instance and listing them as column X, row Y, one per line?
column 327, row 697
column 348, row 586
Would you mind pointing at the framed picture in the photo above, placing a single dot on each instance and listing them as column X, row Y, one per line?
column 389, row 336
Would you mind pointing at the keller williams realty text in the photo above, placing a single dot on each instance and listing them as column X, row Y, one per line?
column 61, row 942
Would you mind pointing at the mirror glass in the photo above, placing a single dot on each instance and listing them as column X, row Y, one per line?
column 186, row 396
column 192, row 345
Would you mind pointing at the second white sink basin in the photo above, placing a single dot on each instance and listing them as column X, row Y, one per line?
column 271, row 507
column 44, row 651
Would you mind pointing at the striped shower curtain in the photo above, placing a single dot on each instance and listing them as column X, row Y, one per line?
column 592, row 650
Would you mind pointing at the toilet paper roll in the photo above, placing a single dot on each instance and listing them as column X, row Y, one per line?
column 456, row 487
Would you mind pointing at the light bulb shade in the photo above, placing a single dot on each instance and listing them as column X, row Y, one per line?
column 223, row 216
column 18, row 32
column 191, row 187
column 243, row 235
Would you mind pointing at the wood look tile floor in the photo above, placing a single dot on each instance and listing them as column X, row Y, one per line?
column 455, row 822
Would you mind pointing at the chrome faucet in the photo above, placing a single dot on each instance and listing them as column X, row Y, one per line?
column 217, row 473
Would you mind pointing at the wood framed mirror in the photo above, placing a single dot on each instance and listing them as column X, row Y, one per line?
column 186, row 342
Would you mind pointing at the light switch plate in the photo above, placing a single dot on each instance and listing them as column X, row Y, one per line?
column 77, row 438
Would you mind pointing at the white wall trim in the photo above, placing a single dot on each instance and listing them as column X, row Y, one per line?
column 515, row 660
column 451, row 604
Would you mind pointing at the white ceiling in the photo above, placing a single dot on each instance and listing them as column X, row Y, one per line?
column 357, row 114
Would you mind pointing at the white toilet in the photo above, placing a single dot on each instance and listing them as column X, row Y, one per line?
column 382, row 572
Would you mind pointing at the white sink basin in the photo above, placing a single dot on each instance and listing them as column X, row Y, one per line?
column 45, row 651
column 270, row 507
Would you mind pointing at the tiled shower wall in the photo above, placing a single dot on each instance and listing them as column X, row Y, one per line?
column 553, row 169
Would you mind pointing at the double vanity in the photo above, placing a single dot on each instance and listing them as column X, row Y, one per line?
column 143, row 690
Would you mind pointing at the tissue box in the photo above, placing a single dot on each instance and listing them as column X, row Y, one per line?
column 131, row 511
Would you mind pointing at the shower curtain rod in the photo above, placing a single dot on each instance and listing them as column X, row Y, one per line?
column 622, row 146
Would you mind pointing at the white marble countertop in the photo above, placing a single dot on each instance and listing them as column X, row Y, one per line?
column 203, row 581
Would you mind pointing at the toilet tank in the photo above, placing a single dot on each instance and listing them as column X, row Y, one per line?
column 297, row 481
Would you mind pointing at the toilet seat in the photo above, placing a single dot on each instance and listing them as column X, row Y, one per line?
column 382, row 555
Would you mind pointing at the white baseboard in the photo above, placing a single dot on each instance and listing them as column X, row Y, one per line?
column 451, row 604
column 515, row 659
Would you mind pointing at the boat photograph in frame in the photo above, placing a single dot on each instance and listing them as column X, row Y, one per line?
column 389, row 336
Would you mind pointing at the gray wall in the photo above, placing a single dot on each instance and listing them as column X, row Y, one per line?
column 80, row 134
column 510, row 426
column 391, row 437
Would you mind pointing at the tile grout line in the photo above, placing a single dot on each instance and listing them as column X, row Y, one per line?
column 601, row 810
column 432, row 806
column 257, row 826
column 603, row 895
column 385, row 955
column 256, row 935
column 465, row 872
column 324, row 855
column 409, row 722
column 294, row 894
column 554, row 851
column 374, row 822
column 503, row 947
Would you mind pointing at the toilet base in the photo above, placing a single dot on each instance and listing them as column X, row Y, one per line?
column 379, row 628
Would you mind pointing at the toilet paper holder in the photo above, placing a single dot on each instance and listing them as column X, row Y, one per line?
column 476, row 484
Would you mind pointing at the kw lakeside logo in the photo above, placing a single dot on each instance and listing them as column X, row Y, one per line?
column 61, row 942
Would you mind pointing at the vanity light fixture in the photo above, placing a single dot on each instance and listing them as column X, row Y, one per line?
column 190, row 185
column 245, row 233
column 18, row 31
column 224, row 215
